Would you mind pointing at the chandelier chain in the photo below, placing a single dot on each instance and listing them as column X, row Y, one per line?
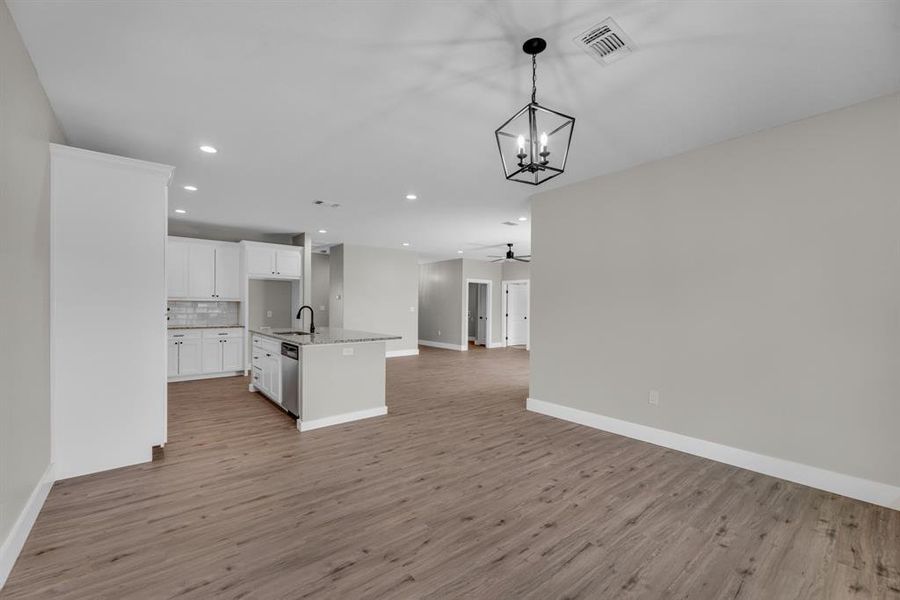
column 534, row 78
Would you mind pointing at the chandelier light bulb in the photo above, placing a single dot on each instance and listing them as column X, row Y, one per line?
column 521, row 142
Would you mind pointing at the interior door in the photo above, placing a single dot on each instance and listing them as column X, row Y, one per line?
column 517, row 314
column 228, row 273
column 481, row 310
column 201, row 271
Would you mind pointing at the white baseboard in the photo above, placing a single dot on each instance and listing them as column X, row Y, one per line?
column 178, row 378
column 395, row 353
column 343, row 418
column 443, row 345
column 867, row 490
column 12, row 545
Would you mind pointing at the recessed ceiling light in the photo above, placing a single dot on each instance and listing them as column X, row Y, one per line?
column 191, row 188
column 405, row 244
column 459, row 251
column 411, row 197
column 523, row 218
column 208, row 149
column 180, row 211
column 323, row 231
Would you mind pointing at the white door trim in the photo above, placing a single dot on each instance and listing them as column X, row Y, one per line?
column 504, row 290
column 488, row 338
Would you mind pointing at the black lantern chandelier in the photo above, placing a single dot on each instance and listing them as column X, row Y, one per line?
column 534, row 143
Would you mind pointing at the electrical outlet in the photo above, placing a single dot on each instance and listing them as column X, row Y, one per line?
column 439, row 332
column 412, row 309
column 347, row 351
column 654, row 398
column 269, row 314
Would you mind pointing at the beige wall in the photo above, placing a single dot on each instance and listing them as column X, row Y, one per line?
column 27, row 123
column 755, row 284
column 269, row 295
column 321, row 283
column 379, row 293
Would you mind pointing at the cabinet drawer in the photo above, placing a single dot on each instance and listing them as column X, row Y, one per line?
column 184, row 334
column 222, row 333
column 267, row 345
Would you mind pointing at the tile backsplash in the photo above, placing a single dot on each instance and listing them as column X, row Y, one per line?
column 211, row 314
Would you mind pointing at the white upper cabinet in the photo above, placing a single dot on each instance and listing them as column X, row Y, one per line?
column 260, row 260
column 288, row 263
column 271, row 261
column 203, row 270
column 177, row 269
column 228, row 272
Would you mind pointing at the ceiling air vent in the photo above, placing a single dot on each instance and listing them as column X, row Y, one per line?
column 606, row 42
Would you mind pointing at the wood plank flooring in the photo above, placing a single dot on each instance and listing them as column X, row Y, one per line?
column 457, row 493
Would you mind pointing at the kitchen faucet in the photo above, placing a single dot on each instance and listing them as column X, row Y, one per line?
column 312, row 317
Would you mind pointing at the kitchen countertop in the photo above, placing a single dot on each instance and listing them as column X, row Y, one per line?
column 205, row 326
column 327, row 335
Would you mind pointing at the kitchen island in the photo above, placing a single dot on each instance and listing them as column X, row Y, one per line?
column 329, row 377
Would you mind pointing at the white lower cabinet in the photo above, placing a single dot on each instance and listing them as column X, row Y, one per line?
column 266, row 361
column 205, row 351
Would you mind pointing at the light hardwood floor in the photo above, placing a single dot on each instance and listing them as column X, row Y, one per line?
column 457, row 493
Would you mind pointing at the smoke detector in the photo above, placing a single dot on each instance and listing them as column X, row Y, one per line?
column 606, row 42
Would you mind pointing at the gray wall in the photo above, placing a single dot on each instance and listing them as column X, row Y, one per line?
column 441, row 302
column 27, row 124
column 266, row 295
column 336, row 287
column 754, row 283
column 516, row 270
column 321, row 284
column 476, row 269
column 379, row 289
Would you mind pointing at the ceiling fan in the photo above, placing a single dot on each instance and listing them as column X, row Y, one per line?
column 510, row 256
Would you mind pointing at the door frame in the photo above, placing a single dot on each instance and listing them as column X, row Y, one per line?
column 488, row 343
column 504, row 289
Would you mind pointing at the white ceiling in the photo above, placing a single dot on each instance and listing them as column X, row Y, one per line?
column 362, row 102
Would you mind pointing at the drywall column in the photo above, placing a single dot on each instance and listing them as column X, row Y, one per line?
column 108, row 299
column 304, row 240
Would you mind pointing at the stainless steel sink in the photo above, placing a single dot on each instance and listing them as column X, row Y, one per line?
column 291, row 332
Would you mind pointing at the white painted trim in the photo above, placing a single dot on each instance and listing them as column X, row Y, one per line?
column 488, row 327
column 343, row 418
column 131, row 163
column 396, row 353
column 15, row 540
column 180, row 378
column 866, row 490
column 443, row 345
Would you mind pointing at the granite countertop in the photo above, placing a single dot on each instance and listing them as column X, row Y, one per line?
column 326, row 335
column 205, row 326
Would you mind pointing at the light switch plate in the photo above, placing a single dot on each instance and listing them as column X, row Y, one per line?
column 654, row 397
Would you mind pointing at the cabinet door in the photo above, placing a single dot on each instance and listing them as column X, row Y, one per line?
column 288, row 263
column 211, row 358
column 201, row 271
column 190, row 360
column 232, row 354
column 228, row 273
column 177, row 269
column 172, row 357
column 260, row 261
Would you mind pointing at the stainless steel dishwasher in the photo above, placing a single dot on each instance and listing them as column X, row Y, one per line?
column 290, row 378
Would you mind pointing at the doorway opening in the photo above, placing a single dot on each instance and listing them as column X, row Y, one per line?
column 516, row 308
column 478, row 313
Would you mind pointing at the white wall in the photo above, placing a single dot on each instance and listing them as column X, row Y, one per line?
column 755, row 284
column 27, row 123
column 266, row 295
column 108, row 299
column 379, row 289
